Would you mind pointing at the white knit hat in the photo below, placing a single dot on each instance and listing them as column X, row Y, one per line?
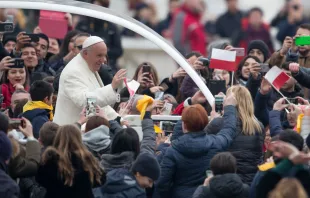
column 92, row 40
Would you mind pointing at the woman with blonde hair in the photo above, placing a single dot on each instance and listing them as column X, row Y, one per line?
column 68, row 169
column 247, row 147
column 287, row 188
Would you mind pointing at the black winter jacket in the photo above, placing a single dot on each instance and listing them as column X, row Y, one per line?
column 223, row 186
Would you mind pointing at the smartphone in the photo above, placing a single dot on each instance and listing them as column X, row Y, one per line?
column 205, row 61
column 91, row 106
column 34, row 37
column 16, row 123
column 217, row 86
column 293, row 100
column 167, row 109
column 159, row 95
column 167, row 127
column 209, row 173
column 19, row 63
column 219, row 104
column 239, row 51
column 146, row 69
column 6, row 27
column 264, row 68
column 302, row 40
column 164, row 86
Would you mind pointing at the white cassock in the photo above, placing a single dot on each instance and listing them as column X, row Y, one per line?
column 76, row 81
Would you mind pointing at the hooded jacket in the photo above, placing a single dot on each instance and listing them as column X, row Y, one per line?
column 125, row 159
column 185, row 162
column 97, row 140
column 37, row 117
column 120, row 183
column 223, row 186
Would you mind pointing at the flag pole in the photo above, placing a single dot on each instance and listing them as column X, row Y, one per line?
column 232, row 78
column 287, row 111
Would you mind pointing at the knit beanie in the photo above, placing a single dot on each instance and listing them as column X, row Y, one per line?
column 5, row 147
column 7, row 38
column 147, row 165
column 261, row 45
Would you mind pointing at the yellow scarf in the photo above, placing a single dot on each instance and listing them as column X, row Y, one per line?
column 266, row 166
column 299, row 121
column 31, row 105
column 141, row 106
column 143, row 103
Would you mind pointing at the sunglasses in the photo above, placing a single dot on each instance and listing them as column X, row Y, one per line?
column 80, row 47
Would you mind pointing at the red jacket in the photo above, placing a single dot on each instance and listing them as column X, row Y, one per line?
column 249, row 34
column 187, row 32
column 7, row 90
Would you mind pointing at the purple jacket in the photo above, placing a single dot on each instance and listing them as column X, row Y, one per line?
column 188, row 87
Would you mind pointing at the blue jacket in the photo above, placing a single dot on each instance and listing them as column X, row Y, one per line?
column 120, row 183
column 264, row 103
column 185, row 162
column 37, row 117
column 275, row 123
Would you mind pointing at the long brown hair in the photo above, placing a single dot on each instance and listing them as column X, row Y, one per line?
column 4, row 78
column 245, row 110
column 153, row 72
column 68, row 141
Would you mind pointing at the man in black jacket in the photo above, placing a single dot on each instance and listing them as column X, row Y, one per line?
column 107, row 31
column 301, row 74
column 229, row 24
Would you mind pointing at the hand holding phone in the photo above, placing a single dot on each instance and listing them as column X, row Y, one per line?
column 16, row 123
column 264, row 68
column 33, row 37
column 18, row 63
column 219, row 107
column 292, row 101
column 91, row 107
column 21, row 40
column 209, row 173
column 6, row 63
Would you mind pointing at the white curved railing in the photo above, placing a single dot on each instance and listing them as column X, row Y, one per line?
column 81, row 8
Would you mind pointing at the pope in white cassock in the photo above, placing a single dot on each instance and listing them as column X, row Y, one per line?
column 80, row 78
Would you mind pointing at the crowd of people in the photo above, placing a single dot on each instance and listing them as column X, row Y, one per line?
column 254, row 143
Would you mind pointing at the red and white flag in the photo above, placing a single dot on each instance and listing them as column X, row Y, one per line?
column 223, row 59
column 132, row 86
column 277, row 77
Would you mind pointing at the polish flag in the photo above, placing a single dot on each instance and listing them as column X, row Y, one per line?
column 223, row 59
column 132, row 86
column 277, row 77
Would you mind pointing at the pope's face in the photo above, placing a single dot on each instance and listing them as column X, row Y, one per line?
column 96, row 55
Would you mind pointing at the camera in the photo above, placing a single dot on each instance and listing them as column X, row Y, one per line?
column 167, row 126
column 6, row 27
column 205, row 61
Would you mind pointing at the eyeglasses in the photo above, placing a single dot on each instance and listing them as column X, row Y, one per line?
column 80, row 47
